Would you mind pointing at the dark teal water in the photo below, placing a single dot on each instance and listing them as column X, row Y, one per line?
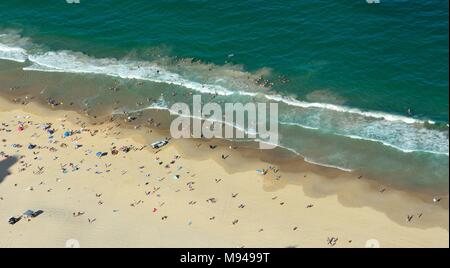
column 390, row 57
column 383, row 67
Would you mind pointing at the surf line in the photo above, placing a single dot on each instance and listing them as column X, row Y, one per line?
column 208, row 120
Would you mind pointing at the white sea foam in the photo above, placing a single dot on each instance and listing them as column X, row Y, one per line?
column 429, row 141
column 343, row 109
column 158, row 105
column 75, row 62
column 66, row 61
column 328, row 165
column 72, row 62
column 392, row 145
column 12, row 53
column 298, row 125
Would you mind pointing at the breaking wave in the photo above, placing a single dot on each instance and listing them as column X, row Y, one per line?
column 396, row 131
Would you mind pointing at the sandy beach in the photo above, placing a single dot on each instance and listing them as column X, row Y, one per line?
column 228, row 124
column 103, row 187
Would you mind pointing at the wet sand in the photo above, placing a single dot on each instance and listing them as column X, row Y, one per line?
column 186, row 195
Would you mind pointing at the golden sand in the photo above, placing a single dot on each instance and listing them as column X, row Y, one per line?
column 168, row 198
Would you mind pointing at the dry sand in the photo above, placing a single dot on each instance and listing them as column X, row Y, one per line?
column 145, row 198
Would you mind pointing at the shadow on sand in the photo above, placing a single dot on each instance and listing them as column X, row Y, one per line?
column 5, row 165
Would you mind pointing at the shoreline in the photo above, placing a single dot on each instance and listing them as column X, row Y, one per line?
column 342, row 206
column 100, row 97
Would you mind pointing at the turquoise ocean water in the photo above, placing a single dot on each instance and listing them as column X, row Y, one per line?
column 360, row 86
